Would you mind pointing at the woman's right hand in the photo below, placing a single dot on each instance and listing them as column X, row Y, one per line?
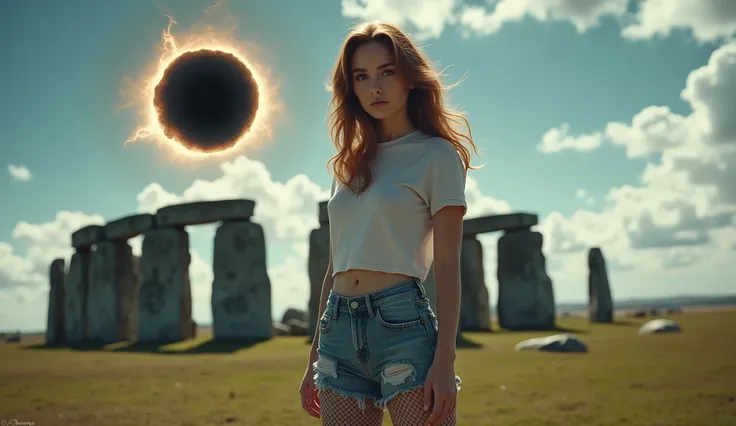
column 310, row 398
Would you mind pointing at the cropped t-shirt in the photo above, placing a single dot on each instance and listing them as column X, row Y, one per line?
column 388, row 228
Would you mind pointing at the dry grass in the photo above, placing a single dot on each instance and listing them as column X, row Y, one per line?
column 686, row 379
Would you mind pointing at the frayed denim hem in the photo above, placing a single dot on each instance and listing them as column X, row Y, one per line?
column 382, row 402
column 321, row 383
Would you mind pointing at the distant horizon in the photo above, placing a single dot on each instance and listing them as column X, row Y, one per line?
column 561, row 304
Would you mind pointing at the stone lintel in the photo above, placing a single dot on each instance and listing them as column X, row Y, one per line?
column 86, row 237
column 324, row 218
column 202, row 212
column 502, row 222
column 129, row 226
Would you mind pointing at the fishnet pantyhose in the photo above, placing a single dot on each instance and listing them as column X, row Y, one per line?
column 335, row 410
column 407, row 409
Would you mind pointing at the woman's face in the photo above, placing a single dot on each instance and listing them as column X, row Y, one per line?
column 377, row 82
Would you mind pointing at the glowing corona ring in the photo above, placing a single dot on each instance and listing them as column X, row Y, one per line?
column 192, row 119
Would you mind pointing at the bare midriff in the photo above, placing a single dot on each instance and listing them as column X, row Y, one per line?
column 359, row 282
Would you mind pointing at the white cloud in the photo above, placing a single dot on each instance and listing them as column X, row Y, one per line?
column 685, row 206
column 288, row 211
column 19, row 173
column 707, row 20
column 556, row 140
column 583, row 15
column 427, row 17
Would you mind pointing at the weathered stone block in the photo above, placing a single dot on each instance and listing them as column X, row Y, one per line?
column 55, row 319
column 241, row 290
column 430, row 289
column 317, row 264
column 480, row 225
column 600, row 301
column 525, row 292
column 202, row 212
column 324, row 217
column 165, row 298
column 566, row 342
column 296, row 314
column 129, row 226
column 113, row 292
column 88, row 236
column 475, row 312
column 76, row 286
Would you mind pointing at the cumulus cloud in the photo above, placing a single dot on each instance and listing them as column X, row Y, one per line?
column 19, row 173
column 707, row 20
column 559, row 139
column 288, row 210
column 686, row 199
column 583, row 15
column 427, row 17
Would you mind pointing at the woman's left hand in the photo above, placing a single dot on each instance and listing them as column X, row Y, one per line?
column 440, row 392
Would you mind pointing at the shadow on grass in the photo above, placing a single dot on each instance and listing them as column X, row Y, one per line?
column 218, row 346
column 625, row 323
column 555, row 330
column 464, row 343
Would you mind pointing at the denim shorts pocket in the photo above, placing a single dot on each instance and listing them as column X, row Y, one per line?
column 402, row 313
column 325, row 322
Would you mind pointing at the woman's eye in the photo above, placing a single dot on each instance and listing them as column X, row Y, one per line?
column 389, row 72
column 359, row 77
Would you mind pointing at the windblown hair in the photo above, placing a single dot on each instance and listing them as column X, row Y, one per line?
column 356, row 134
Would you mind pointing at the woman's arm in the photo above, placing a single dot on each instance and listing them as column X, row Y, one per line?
column 448, row 234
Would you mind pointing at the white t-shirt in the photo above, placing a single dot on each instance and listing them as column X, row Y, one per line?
column 388, row 228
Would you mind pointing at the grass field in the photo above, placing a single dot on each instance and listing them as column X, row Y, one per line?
column 686, row 379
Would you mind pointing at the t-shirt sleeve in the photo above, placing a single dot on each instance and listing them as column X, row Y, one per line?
column 447, row 183
column 332, row 187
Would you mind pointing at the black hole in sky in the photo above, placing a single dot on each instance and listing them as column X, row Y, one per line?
column 207, row 100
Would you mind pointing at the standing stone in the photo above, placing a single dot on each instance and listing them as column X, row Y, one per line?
column 241, row 290
column 525, row 293
column 475, row 312
column 430, row 288
column 76, row 286
column 113, row 290
column 317, row 264
column 165, row 299
column 600, row 302
column 55, row 319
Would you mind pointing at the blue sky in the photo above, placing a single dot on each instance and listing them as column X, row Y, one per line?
column 629, row 189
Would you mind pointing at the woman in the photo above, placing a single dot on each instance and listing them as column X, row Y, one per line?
column 396, row 205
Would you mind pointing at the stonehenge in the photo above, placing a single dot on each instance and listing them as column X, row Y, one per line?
column 526, row 296
column 108, row 294
column 600, row 301
column 55, row 319
column 317, row 263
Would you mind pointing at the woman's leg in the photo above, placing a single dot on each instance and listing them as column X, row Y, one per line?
column 407, row 409
column 336, row 410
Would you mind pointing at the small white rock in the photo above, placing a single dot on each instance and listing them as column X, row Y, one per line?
column 566, row 342
column 659, row 325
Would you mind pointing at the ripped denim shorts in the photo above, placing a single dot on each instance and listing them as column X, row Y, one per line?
column 376, row 345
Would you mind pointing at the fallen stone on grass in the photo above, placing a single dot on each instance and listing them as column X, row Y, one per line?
column 660, row 325
column 565, row 342
column 297, row 327
column 281, row 329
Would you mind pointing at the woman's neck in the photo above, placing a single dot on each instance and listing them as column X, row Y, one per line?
column 395, row 126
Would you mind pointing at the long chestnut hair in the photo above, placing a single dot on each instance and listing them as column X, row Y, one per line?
column 356, row 134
